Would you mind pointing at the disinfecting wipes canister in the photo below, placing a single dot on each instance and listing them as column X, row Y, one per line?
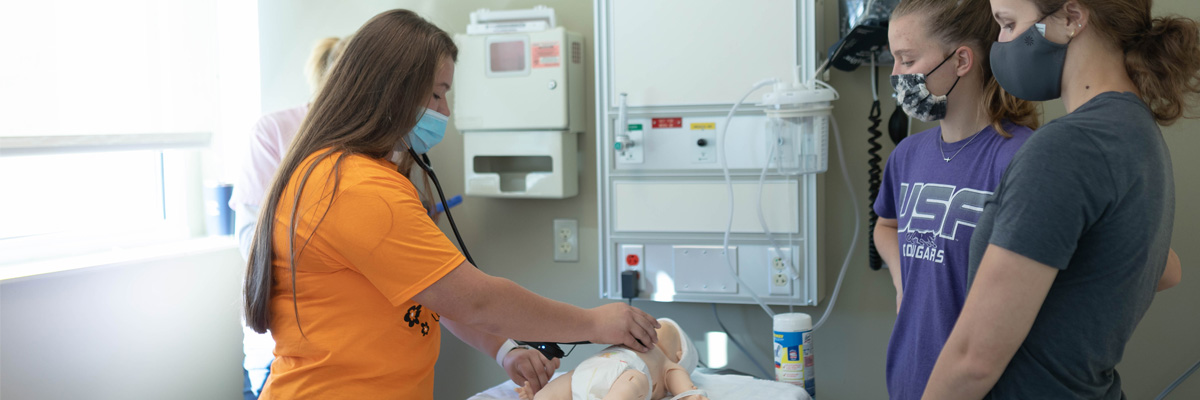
column 794, row 351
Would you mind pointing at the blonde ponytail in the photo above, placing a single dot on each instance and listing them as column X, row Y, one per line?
column 1002, row 106
column 321, row 60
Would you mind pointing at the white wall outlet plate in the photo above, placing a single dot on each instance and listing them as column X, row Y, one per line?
column 779, row 282
column 566, row 240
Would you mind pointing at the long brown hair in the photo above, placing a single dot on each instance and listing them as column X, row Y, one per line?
column 373, row 96
column 969, row 22
column 1162, row 55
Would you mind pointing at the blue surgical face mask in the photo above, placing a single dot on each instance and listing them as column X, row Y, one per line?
column 430, row 130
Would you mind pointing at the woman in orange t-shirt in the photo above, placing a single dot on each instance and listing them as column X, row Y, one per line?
column 348, row 272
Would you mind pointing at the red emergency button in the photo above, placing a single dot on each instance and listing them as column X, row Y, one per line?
column 632, row 259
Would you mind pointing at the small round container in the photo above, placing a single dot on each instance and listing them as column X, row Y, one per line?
column 794, row 351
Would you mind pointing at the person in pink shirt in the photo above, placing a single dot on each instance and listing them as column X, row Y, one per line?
column 268, row 143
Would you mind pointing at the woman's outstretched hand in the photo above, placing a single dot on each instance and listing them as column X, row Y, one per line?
column 619, row 323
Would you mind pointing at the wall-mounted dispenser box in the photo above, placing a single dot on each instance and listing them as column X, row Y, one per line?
column 531, row 164
column 519, row 103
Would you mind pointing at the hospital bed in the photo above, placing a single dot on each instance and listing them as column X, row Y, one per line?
column 718, row 387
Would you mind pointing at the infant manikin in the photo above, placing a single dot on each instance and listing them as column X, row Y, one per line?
column 618, row 373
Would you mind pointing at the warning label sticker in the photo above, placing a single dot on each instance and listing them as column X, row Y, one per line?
column 659, row 123
column 704, row 126
column 546, row 54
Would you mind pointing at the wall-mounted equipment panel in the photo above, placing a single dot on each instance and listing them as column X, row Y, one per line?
column 668, row 73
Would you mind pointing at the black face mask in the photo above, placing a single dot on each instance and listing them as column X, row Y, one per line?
column 1030, row 66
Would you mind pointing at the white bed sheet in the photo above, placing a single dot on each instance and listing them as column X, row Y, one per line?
column 718, row 387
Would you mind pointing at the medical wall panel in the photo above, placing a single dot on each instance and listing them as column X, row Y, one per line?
column 668, row 73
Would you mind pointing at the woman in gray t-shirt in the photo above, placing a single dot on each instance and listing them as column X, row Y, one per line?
column 1069, row 251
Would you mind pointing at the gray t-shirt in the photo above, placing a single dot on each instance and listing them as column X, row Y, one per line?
column 1090, row 194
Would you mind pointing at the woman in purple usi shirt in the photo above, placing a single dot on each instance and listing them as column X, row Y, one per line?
column 936, row 182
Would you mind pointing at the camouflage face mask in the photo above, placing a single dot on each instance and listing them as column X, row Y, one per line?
column 914, row 97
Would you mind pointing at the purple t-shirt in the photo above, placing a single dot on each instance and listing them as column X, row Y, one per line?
column 936, row 204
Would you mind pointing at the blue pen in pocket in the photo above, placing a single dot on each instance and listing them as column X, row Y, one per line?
column 454, row 201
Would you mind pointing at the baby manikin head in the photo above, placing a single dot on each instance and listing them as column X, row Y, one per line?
column 674, row 342
column 668, row 341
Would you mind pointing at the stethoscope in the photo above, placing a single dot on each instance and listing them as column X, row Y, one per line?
column 423, row 162
column 548, row 349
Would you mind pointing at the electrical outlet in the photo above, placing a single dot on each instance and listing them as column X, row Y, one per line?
column 780, row 283
column 566, row 240
column 778, row 260
column 631, row 257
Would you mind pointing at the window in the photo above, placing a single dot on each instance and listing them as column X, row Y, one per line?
column 64, row 192
column 508, row 55
column 71, row 204
column 110, row 114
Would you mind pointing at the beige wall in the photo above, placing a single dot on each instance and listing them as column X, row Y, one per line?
column 512, row 238
column 157, row 329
